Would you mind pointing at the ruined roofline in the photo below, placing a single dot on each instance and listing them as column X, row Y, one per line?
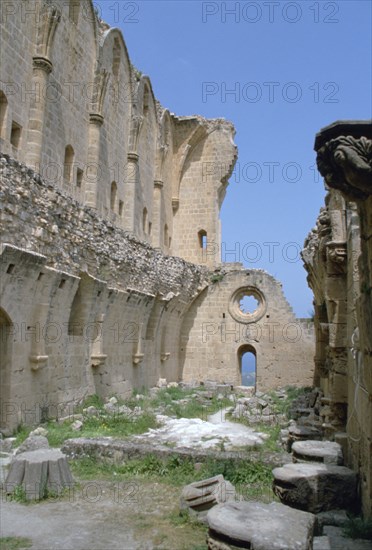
column 105, row 29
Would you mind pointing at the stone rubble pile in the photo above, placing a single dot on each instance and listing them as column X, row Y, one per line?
column 261, row 408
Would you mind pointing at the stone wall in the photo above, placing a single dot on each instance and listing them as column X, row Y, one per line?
column 85, row 307
column 338, row 258
column 107, row 198
column 74, row 109
column 217, row 332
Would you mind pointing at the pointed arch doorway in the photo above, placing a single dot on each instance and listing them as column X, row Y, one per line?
column 247, row 357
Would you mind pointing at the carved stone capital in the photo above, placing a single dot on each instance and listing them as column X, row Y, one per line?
column 133, row 157
column 345, row 162
column 96, row 118
column 158, row 184
column 42, row 63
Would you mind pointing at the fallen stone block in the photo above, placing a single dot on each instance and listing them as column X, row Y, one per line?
column 338, row 518
column 201, row 496
column 321, row 543
column 302, row 433
column 338, row 541
column 40, row 431
column 328, row 452
column 315, row 487
column 259, row 526
column 39, row 472
column 33, row 443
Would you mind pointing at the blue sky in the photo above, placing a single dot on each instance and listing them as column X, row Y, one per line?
column 293, row 67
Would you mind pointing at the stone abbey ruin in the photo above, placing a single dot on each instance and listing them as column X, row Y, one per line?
column 110, row 272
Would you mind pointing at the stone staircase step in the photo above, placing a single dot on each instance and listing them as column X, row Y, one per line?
column 315, row 487
column 327, row 452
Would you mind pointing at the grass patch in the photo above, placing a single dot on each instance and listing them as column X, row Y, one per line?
column 15, row 543
column 21, row 434
column 251, row 479
column 174, row 401
column 116, row 425
column 358, row 528
column 91, row 401
column 19, row 495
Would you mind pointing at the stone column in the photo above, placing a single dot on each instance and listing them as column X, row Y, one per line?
column 93, row 171
column 42, row 67
column 132, row 181
column 48, row 20
column 157, row 228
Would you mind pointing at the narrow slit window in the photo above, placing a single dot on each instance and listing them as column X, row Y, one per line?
column 68, row 164
column 15, row 136
column 202, row 239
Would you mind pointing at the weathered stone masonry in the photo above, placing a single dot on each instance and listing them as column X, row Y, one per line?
column 109, row 220
column 338, row 258
column 89, row 309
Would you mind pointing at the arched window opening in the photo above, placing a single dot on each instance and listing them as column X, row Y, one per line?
column 15, row 135
column 68, row 164
column 3, row 112
column 121, row 207
column 73, row 11
column 116, row 51
column 166, row 235
column 79, row 177
column 202, row 235
column 144, row 220
column 150, row 228
column 113, row 193
column 248, row 365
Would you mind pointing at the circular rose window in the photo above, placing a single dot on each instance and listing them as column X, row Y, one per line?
column 247, row 305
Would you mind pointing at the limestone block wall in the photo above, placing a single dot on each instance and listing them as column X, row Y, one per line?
column 74, row 109
column 338, row 258
column 85, row 308
column 216, row 333
column 209, row 160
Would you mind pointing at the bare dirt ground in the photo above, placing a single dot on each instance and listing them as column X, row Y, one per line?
column 99, row 515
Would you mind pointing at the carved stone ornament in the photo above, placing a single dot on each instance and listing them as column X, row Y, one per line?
column 337, row 253
column 346, row 164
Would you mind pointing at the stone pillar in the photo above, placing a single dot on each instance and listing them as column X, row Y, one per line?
column 93, row 171
column 42, row 67
column 132, row 181
column 157, row 227
column 48, row 20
